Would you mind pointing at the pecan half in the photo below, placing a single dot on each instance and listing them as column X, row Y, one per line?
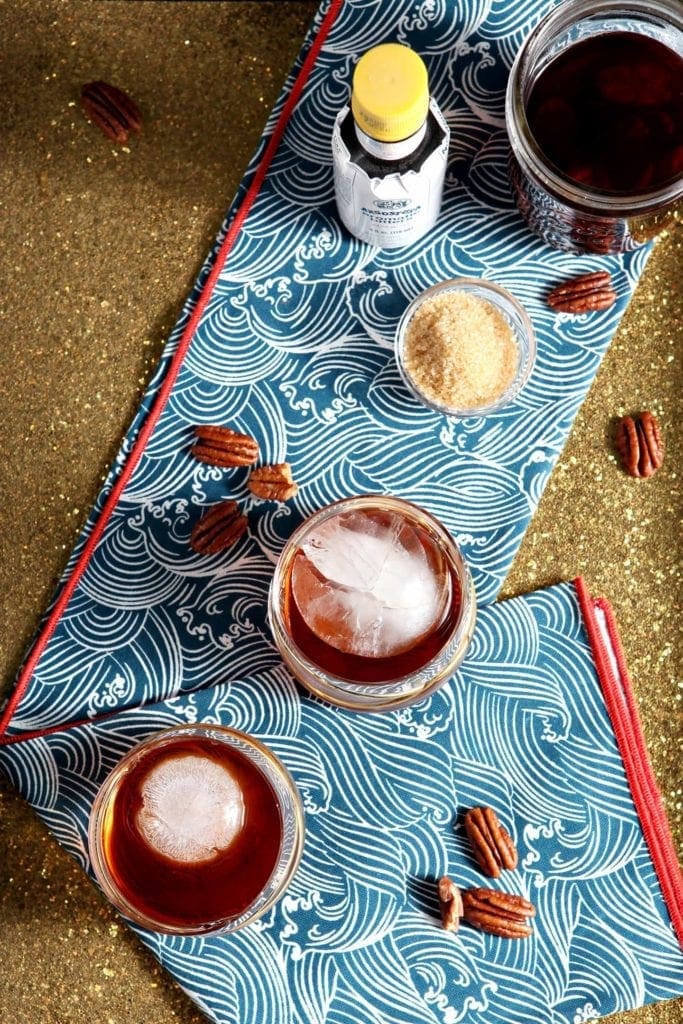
column 450, row 904
column 274, row 483
column 639, row 443
column 492, row 844
column 221, row 446
column 111, row 109
column 583, row 294
column 219, row 528
column 500, row 913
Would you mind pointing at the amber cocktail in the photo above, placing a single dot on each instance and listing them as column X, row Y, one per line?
column 196, row 830
column 372, row 605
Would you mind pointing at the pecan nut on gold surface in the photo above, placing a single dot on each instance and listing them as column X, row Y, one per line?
column 499, row 913
column 219, row 528
column 492, row 845
column 112, row 110
column 221, row 446
column 640, row 444
column 583, row 294
column 450, row 904
column 274, row 483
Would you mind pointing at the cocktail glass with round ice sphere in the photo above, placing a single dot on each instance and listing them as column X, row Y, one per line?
column 371, row 604
column 197, row 830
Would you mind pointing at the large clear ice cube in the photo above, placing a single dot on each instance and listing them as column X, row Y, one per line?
column 370, row 586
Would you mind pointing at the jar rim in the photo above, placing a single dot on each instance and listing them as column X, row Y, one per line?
column 667, row 14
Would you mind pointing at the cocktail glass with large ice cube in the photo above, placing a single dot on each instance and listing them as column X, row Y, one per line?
column 371, row 604
column 197, row 830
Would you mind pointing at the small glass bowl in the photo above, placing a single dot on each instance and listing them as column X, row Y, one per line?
column 516, row 316
column 291, row 818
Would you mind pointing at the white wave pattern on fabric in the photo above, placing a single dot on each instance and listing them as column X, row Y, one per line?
column 295, row 347
column 357, row 935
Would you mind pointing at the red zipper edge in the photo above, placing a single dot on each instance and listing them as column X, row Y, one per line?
column 164, row 392
column 617, row 690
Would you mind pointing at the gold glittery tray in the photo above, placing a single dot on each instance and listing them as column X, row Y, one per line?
column 98, row 251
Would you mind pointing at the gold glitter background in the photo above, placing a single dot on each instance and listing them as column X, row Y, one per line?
column 99, row 246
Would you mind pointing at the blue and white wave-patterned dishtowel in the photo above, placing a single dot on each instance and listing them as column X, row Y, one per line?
column 288, row 336
column 526, row 726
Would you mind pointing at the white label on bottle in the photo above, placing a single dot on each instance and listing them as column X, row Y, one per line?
column 397, row 209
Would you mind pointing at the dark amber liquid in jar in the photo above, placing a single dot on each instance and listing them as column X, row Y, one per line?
column 180, row 894
column 357, row 668
column 608, row 113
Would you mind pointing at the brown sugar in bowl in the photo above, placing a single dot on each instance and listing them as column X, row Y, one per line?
column 465, row 347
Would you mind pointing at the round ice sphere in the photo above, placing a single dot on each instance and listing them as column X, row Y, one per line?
column 372, row 587
column 192, row 808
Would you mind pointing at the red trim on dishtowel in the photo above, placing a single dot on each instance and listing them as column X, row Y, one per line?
column 48, row 730
column 623, row 713
column 167, row 385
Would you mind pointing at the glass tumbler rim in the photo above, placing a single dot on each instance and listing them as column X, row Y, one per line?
column 335, row 689
column 238, row 740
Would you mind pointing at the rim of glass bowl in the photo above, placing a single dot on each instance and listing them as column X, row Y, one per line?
column 392, row 693
column 516, row 316
column 289, row 804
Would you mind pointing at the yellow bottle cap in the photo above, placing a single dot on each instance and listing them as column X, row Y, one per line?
column 390, row 93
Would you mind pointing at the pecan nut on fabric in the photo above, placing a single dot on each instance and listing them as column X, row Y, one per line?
column 450, row 904
column 273, row 483
column 222, row 446
column 498, row 913
column 219, row 528
column 583, row 294
column 492, row 845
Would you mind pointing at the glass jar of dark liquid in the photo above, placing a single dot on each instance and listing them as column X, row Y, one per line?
column 594, row 112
